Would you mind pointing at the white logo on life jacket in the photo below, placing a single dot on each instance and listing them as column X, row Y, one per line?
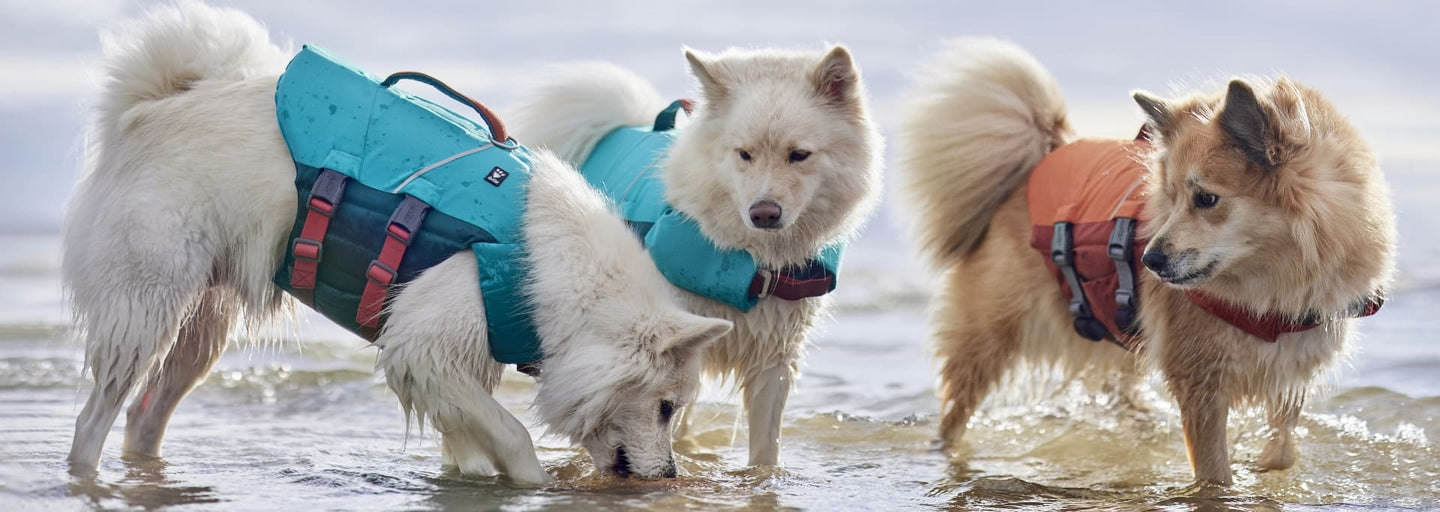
column 497, row 176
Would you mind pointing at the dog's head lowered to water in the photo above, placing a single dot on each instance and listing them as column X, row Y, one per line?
column 621, row 356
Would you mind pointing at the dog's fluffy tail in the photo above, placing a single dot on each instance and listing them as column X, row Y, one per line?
column 984, row 114
column 175, row 47
column 570, row 108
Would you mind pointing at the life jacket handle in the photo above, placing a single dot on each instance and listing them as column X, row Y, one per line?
column 498, row 134
column 666, row 119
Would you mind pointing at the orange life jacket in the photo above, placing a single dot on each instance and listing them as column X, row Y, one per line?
column 1085, row 206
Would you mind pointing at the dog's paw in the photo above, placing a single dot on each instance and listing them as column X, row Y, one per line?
column 1279, row 454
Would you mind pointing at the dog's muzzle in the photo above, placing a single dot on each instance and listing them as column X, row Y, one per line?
column 622, row 466
column 622, row 463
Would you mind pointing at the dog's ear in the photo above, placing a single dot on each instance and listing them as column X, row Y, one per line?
column 1291, row 117
column 1266, row 130
column 836, row 77
column 704, row 71
column 1158, row 110
column 693, row 333
column 1244, row 119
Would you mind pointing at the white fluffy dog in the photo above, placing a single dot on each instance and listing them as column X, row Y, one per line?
column 788, row 130
column 181, row 218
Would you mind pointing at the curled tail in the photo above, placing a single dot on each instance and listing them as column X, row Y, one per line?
column 984, row 114
column 569, row 109
column 175, row 46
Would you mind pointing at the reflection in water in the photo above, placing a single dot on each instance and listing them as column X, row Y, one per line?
column 333, row 437
column 144, row 486
column 293, row 426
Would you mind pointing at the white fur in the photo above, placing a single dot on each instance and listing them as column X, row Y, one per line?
column 180, row 220
column 768, row 103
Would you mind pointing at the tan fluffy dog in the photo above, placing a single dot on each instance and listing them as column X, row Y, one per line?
column 1262, row 196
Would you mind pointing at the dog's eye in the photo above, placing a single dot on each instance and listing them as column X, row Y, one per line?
column 799, row 155
column 744, row 155
column 1204, row 200
column 667, row 409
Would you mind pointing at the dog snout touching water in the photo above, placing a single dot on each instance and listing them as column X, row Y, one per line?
column 223, row 178
column 622, row 467
column 622, row 463
column 1268, row 224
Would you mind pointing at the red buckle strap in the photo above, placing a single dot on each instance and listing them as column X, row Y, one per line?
column 383, row 271
column 307, row 249
column 1269, row 327
column 768, row 283
column 1369, row 306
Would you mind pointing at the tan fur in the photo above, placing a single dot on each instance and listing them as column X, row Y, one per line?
column 1003, row 137
column 1303, row 224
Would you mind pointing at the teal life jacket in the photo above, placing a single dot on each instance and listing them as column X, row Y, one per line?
column 626, row 165
column 389, row 184
column 364, row 152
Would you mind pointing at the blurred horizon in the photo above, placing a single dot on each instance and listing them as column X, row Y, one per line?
column 1361, row 56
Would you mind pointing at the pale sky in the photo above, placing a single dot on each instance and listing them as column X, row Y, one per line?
column 1377, row 60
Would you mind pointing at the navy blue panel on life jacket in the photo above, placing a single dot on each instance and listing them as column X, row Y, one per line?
column 356, row 234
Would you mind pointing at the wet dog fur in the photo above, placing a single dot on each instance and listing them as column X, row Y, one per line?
column 788, row 129
column 1301, row 223
column 181, row 218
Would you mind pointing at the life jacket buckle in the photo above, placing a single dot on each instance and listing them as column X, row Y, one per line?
column 767, row 283
column 380, row 273
column 399, row 233
column 1062, row 253
column 1122, row 240
column 306, row 249
column 321, row 206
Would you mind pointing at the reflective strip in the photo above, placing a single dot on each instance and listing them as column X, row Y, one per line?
column 447, row 160
column 1125, row 197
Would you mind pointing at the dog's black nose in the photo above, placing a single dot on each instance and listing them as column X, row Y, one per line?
column 670, row 471
column 1155, row 259
column 765, row 215
column 622, row 463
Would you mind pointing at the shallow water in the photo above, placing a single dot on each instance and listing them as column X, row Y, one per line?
column 304, row 424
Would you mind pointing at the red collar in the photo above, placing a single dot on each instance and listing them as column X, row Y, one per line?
column 1270, row 326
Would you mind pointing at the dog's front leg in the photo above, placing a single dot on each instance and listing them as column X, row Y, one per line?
column 765, row 395
column 478, row 421
column 1203, row 413
column 1280, row 452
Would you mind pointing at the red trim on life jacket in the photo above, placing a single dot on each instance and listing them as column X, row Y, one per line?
column 383, row 271
column 325, row 194
column 312, row 239
column 1270, row 326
